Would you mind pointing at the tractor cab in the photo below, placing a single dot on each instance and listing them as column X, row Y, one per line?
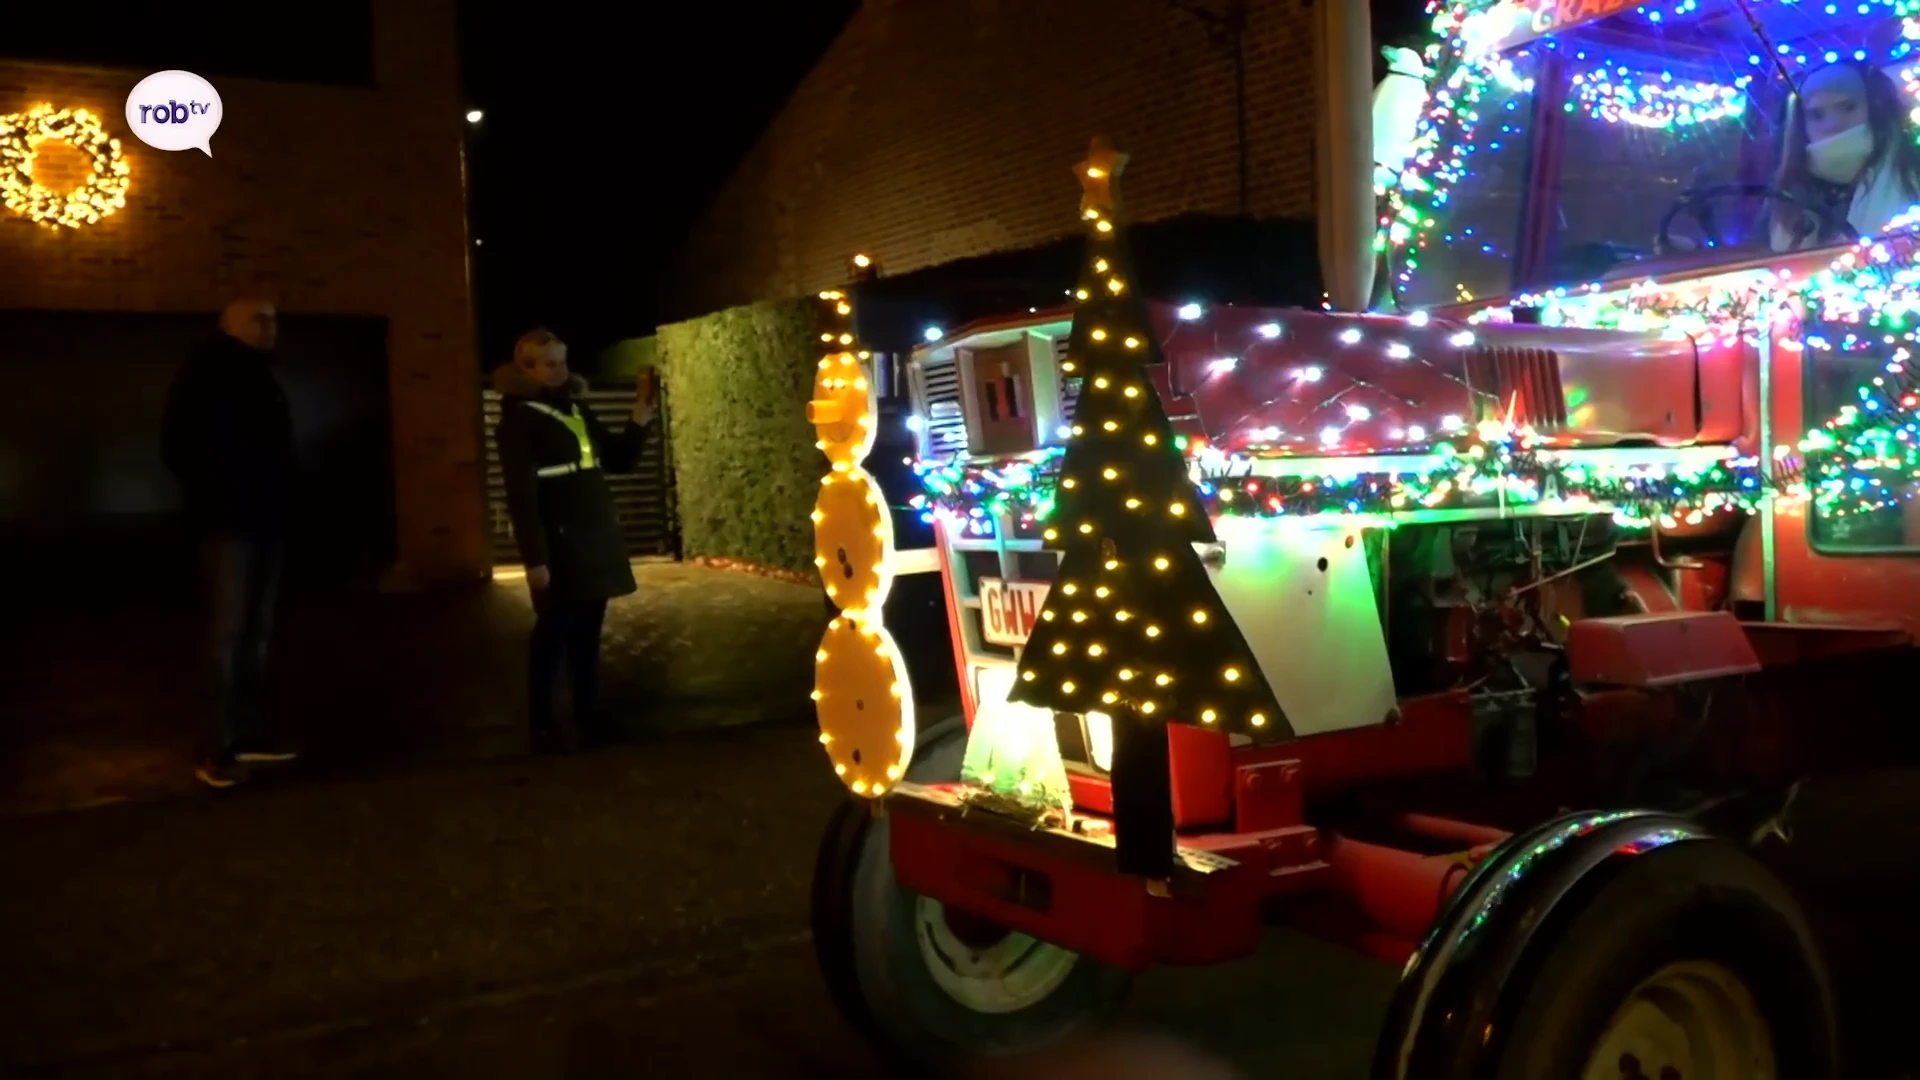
column 1694, row 172
column 1655, row 140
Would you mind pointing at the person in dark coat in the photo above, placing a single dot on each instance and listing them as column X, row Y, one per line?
column 227, row 436
column 555, row 454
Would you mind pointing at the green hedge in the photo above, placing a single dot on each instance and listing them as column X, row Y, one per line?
column 745, row 467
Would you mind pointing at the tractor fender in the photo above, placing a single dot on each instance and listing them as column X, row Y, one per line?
column 1444, row 1021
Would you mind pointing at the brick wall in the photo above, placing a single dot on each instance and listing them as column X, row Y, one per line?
column 326, row 200
column 936, row 130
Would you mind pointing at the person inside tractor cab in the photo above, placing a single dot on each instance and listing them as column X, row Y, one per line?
column 1849, row 149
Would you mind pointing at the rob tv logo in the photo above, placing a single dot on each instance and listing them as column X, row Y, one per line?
column 174, row 110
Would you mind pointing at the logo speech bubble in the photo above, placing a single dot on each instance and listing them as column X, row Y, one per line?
column 174, row 110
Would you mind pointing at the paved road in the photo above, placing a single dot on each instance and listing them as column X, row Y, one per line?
column 638, row 912
column 1296, row 1011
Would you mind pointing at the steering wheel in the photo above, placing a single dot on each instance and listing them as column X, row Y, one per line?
column 1695, row 200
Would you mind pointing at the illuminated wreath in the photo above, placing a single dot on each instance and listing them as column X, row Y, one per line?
column 100, row 194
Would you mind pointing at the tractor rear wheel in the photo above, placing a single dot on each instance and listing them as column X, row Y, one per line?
column 1693, row 963
column 929, row 986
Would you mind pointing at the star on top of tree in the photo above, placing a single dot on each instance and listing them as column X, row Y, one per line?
column 1097, row 175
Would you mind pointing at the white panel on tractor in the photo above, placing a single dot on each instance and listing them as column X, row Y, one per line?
column 1301, row 594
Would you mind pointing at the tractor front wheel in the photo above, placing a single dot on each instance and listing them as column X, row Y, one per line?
column 1693, row 964
column 931, row 986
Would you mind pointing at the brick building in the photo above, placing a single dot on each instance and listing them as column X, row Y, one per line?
column 342, row 203
column 941, row 130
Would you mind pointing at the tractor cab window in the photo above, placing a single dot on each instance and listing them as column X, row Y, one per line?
column 1661, row 138
column 1854, row 513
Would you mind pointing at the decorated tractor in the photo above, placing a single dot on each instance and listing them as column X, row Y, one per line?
column 1497, row 631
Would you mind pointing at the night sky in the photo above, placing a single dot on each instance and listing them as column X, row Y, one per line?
column 579, row 89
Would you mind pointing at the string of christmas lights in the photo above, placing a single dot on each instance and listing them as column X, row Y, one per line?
column 1500, row 468
column 99, row 194
column 1610, row 94
column 1458, row 129
column 1865, row 458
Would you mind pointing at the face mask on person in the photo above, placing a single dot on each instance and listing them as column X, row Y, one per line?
column 1838, row 159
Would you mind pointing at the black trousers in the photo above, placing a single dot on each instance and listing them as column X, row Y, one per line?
column 565, row 635
column 243, row 590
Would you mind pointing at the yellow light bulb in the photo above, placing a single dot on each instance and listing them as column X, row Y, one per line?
column 1258, row 719
column 817, row 695
column 1110, row 564
column 1116, row 285
column 1046, row 616
column 1103, row 226
column 1160, row 562
column 1110, row 473
column 859, row 787
column 1199, row 617
column 1079, row 294
column 1146, row 708
column 1122, row 616
column 820, row 656
column 1069, row 482
column 1126, row 674
column 1153, row 631
column 1162, row 679
column 1099, row 266
column 1068, row 687
column 1208, row 716
column 1098, row 334
column 1026, row 676
column 1100, row 382
column 1095, row 649
column 1133, row 504
column 1133, row 343
column 1231, row 674
column 1109, row 698
column 1079, row 616
column 1069, row 366
column 1131, row 391
column 839, row 769
column 1178, row 509
column 1151, row 439
column 1049, row 535
column 1078, row 430
column 1069, row 588
column 1111, row 425
column 1102, row 592
column 1059, row 649
column 1085, row 528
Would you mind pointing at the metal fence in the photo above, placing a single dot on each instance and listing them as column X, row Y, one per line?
column 643, row 498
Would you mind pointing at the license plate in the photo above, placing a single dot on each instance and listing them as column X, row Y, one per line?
column 1008, row 609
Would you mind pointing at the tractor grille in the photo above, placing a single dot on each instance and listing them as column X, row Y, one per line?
column 1525, row 380
column 1076, row 742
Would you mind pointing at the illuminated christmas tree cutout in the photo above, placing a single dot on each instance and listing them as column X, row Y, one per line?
column 1132, row 623
column 1132, row 627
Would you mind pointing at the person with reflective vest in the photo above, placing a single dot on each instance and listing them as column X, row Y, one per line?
column 555, row 454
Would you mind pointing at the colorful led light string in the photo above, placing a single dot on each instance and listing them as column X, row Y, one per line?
column 1464, row 68
column 1865, row 458
column 1609, row 95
